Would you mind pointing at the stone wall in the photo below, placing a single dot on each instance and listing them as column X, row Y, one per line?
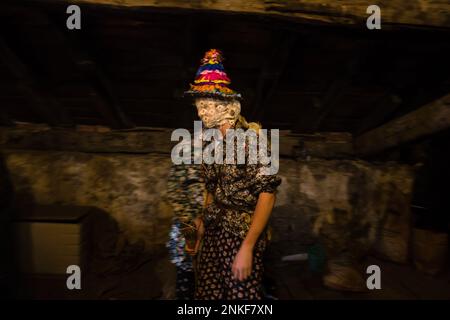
column 131, row 188
column 345, row 202
column 341, row 200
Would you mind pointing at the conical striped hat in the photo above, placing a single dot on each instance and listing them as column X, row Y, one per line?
column 211, row 79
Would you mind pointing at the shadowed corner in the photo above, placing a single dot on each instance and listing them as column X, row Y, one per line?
column 50, row 238
column 7, row 267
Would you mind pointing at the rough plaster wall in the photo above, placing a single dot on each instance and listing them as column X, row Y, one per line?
column 126, row 186
column 348, row 203
column 342, row 200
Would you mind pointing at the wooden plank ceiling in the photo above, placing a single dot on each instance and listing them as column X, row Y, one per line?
column 128, row 67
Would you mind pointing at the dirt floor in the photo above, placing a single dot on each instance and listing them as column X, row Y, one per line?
column 154, row 279
column 295, row 281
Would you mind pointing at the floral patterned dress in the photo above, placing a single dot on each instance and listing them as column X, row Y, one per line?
column 227, row 219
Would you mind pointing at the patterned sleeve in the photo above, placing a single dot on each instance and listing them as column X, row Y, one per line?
column 210, row 176
column 175, row 194
column 195, row 188
column 185, row 192
column 264, row 179
column 263, row 182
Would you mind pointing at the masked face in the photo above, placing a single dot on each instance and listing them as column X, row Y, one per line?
column 215, row 113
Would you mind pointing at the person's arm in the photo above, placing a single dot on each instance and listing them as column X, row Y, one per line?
column 210, row 178
column 200, row 227
column 209, row 199
column 242, row 265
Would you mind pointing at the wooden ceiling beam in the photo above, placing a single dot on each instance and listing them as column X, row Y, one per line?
column 335, row 91
column 270, row 74
column 41, row 103
column 323, row 107
column 429, row 119
column 386, row 105
column 108, row 105
column 346, row 12
column 190, row 41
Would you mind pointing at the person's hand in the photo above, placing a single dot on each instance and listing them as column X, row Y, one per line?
column 200, row 232
column 242, row 264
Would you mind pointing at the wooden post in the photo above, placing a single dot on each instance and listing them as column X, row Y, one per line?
column 429, row 119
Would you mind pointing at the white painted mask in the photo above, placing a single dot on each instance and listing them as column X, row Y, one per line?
column 214, row 112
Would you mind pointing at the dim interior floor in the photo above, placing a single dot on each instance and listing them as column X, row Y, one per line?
column 153, row 279
column 295, row 281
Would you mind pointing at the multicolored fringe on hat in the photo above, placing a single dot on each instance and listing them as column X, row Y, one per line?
column 211, row 79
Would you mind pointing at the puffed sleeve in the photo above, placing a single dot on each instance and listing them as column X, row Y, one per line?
column 264, row 177
column 262, row 181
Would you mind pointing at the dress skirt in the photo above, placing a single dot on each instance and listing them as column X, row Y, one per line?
column 214, row 275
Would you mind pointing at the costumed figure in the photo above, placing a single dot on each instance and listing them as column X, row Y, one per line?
column 240, row 197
